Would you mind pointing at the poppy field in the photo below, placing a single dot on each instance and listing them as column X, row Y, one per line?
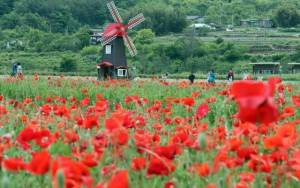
column 75, row 133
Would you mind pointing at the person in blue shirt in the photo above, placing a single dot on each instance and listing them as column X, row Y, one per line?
column 14, row 69
column 211, row 77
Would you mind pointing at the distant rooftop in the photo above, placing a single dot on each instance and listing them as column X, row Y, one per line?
column 265, row 63
column 267, row 19
column 193, row 17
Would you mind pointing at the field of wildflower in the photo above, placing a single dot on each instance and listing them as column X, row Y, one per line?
column 75, row 133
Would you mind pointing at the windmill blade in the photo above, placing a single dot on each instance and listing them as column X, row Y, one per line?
column 109, row 36
column 136, row 21
column 107, row 40
column 128, row 42
column 114, row 12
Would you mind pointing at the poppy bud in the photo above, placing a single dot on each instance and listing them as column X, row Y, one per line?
column 5, row 182
column 61, row 179
column 202, row 140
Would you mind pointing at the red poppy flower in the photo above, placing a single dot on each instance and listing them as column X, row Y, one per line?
column 119, row 180
column 90, row 159
column 234, row 144
column 112, row 123
column 247, row 177
column 76, row 174
column 90, row 122
column 106, row 170
column 13, row 164
column 211, row 185
column 160, row 166
column 296, row 100
column 260, row 164
column 273, row 142
column 43, row 138
column 3, row 110
column 169, row 184
column 168, row 152
column 288, row 111
column 241, row 185
column 25, row 136
column 40, row 163
column 120, row 136
column 85, row 102
column 188, row 102
column 201, row 169
column 246, row 152
column 46, row 109
column 202, row 111
column 138, row 163
column 255, row 101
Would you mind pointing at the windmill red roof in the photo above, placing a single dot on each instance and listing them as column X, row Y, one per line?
column 115, row 29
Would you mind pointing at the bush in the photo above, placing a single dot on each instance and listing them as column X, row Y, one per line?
column 203, row 31
column 90, row 51
column 68, row 64
column 219, row 40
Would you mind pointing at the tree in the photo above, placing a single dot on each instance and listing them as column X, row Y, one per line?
column 6, row 6
column 145, row 36
column 91, row 12
column 287, row 17
column 161, row 19
column 10, row 21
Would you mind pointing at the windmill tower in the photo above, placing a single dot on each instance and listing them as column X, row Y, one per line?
column 114, row 39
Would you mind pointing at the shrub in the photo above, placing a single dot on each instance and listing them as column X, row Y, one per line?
column 68, row 64
column 90, row 50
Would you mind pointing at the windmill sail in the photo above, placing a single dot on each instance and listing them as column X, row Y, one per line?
column 128, row 42
column 136, row 21
column 114, row 12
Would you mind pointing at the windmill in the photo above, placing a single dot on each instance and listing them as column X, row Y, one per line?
column 114, row 39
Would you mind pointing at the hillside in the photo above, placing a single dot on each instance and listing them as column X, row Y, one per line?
column 70, row 15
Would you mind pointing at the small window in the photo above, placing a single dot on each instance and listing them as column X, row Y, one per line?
column 108, row 49
column 122, row 72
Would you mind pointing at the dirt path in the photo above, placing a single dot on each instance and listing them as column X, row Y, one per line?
column 91, row 78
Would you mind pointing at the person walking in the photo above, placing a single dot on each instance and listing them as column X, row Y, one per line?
column 211, row 77
column 230, row 76
column 191, row 78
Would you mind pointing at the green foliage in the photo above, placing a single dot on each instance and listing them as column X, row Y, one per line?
column 162, row 19
column 90, row 50
column 60, row 149
column 145, row 36
column 287, row 17
column 68, row 64
column 203, row 31
column 5, row 6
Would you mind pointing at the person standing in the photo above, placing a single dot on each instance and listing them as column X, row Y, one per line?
column 211, row 77
column 19, row 71
column 230, row 76
column 192, row 78
column 14, row 70
column 98, row 72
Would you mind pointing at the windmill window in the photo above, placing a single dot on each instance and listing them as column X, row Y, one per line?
column 122, row 72
column 108, row 49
